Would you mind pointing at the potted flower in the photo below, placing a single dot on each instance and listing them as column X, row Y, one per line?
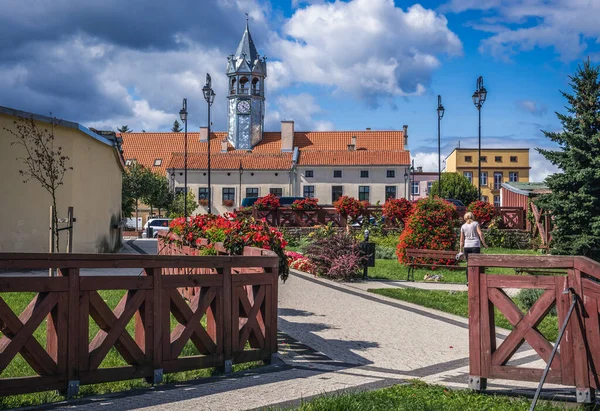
column 267, row 203
column 305, row 204
column 228, row 203
column 203, row 202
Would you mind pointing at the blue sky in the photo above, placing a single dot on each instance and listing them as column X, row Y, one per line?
column 333, row 65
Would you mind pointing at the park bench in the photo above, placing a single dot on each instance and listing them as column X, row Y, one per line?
column 414, row 255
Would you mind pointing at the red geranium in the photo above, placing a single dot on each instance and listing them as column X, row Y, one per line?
column 350, row 206
column 268, row 202
column 397, row 209
column 306, row 204
column 483, row 212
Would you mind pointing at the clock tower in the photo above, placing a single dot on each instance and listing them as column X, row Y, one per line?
column 246, row 73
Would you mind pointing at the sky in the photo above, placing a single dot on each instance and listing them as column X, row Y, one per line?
column 332, row 65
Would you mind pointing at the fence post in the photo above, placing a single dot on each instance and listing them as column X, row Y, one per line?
column 274, row 307
column 476, row 379
column 228, row 320
column 148, row 326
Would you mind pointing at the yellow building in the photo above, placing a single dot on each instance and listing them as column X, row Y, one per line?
column 92, row 188
column 498, row 165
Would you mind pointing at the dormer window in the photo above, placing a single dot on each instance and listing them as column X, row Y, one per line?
column 157, row 162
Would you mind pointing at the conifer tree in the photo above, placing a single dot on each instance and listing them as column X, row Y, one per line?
column 176, row 127
column 575, row 199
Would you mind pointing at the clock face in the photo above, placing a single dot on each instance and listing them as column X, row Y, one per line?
column 243, row 106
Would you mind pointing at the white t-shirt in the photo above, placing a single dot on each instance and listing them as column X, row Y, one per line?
column 470, row 233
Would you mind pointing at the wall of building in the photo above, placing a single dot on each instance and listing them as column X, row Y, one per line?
column 93, row 188
column 424, row 182
column 511, row 199
column 458, row 162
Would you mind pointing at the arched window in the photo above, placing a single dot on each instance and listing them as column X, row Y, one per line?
column 232, row 88
column 255, row 86
column 243, row 85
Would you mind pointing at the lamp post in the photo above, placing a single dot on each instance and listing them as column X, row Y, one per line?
column 241, row 170
column 478, row 99
column 183, row 115
column 440, row 113
column 209, row 96
column 406, row 183
column 412, row 180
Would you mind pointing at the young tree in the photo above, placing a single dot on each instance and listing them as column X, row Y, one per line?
column 177, row 207
column 136, row 183
column 43, row 160
column 176, row 127
column 456, row 186
column 575, row 198
column 158, row 194
column 124, row 129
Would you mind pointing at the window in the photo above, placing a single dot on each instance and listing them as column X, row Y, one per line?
column 309, row 191
column 496, row 201
column 158, row 162
column 336, row 192
column 127, row 162
column 483, row 159
column 337, row 173
column 179, row 190
column 228, row 194
column 469, row 175
column 485, row 198
column 429, row 185
column 391, row 174
column 498, row 159
column 513, row 176
column 513, row 159
column 251, row 192
column 415, row 188
column 364, row 173
column 203, row 193
column 390, row 192
column 468, row 159
column 497, row 180
column 363, row 193
column 484, row 179
column 308, row 174
column 276, row 191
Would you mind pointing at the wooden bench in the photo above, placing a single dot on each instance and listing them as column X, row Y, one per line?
column 414, row 255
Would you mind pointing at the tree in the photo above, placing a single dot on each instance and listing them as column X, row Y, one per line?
column 456, row 186
column 575, row 198
column 124, row 129
column 158, row 195
column 136, row 183
column 176, row 127
column 43, row 160
column 177, row 206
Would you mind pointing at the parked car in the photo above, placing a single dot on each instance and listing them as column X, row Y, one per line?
column 155, row 225
column 284, row 201
column 457, row 203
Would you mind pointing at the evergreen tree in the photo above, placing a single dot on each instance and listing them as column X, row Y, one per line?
column 176, row 127
column 456, row 186
column 124, row 129
column 575, row 198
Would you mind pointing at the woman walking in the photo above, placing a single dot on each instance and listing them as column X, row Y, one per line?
column 471, row 237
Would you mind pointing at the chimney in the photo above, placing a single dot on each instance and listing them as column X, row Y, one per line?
column 203, row 134
column 352, row 147
column 405, row 129
column 419, row 169
column 224, row 145
column 287, row 136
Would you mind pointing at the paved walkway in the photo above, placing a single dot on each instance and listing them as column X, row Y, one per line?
column 337, row 337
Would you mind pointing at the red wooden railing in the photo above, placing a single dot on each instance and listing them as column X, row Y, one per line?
column 237, row 294
column 578, row 361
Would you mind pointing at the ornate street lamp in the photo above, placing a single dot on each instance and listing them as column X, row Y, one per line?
column 209, row 96
column 478, row 99
column 183, row 115
column 440, row 113
column 412, row 180
column 406, row 183
column 241, row 170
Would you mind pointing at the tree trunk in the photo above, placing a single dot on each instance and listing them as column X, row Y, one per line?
column 55, row 220
column 136, row 215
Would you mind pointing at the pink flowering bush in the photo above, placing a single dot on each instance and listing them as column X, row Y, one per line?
column 337, row 257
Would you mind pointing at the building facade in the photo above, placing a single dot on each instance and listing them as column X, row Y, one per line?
column 92, row 188
column 498, row 165
column 246, row 161
column 421, row 184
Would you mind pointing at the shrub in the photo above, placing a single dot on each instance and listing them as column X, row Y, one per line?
column 350, row 207
column 337, row 256
column 384, row 252
column 528, row 296
column 431, row 226
column 268, row 202
column 306, row 204
column 397, row 210
column 483, row 212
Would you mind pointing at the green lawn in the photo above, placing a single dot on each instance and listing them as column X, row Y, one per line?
column 418, row 396
column 393, row 270
column 456, row 302
column 20, row 368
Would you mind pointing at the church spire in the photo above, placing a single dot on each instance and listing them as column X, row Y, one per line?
column 246, row 48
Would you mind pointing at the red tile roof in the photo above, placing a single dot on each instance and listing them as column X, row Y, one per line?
column 316, row 148
column 231, row 161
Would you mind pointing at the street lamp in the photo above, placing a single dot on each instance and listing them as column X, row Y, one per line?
column 406, row 183
column 412, row 180
column 209, row 96
column 241, row 170
column 478, row 99
column 183, row 115
column 440, row 113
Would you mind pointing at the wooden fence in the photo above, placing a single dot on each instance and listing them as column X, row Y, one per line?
column 511, row 217
column 578, row 361
column 236, row 294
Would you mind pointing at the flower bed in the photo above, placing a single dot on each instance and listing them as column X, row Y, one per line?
column 305, row 204
column 268, row 202
column 300, row 262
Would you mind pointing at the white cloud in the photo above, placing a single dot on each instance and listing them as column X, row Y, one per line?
column 302, row 109
column 565, row 25
column 532, row 107
column 429, row 161
column 369, row 48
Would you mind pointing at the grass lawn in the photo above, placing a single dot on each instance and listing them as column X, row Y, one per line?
column 393, row 270
column 20, row 368
column 418, row 396
column 457, row 302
